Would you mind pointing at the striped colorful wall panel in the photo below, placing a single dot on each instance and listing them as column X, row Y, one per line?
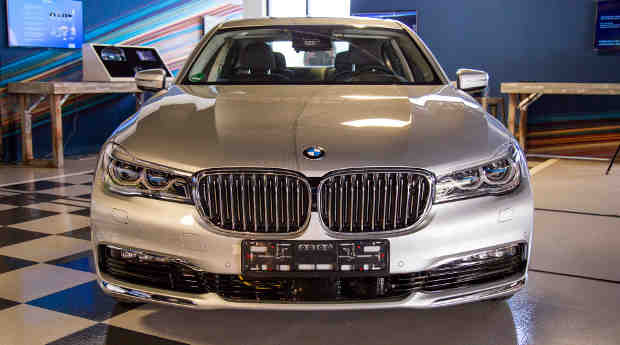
column 583, row 138
column 173, row 26
column 575, row 125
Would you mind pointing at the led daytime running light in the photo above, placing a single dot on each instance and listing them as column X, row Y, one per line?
column 172, row 187
column 496, row 177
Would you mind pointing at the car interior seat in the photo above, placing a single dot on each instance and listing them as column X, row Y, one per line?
column 257, row 62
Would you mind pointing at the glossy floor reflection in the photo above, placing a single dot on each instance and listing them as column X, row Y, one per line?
column 553, row 310
column 48, row 294
column 484, row 323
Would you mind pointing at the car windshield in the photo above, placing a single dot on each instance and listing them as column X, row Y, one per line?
column 311, row 55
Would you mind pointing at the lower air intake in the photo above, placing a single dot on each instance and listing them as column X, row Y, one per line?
column 167, row 273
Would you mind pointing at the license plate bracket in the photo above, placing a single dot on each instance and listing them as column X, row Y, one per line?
column 300, row 258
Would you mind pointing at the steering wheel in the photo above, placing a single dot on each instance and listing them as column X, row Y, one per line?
column 367, row 69
column 382, row 71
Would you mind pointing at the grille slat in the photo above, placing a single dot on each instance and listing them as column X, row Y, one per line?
column 419, row 196
column 391, row 203
column 363, row 208
column 374, row 200
column 299, row 207
column 221, row 198
column 254, row 201
column 330, row 196
column 254, row 196
column 277, row 207
column 384, row 201
column 204, row 192
column 265, row 203
column 340, row 208
column 397, row 201
column 232, row 202
column 408, row 196
column 244, row 196
column 288, row 205
column 352, row 205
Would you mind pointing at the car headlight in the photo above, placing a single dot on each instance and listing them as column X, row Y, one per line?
column 499, row 176
column 125, row 175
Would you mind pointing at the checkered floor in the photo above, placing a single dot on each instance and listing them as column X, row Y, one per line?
column 48, row 292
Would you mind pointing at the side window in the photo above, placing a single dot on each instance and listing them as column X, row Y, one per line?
column 391, row 58
column 417, row 63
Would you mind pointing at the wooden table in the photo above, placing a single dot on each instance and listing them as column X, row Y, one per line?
column 57, row 92
column 522, row 95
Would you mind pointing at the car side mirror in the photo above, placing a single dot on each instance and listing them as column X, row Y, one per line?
column 151, row 79
column 471, row 80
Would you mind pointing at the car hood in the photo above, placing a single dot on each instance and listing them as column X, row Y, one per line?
column 434, row 127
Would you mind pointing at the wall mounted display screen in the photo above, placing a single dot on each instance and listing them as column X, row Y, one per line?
column 45, row 23
column 410, row 18
column 607, row 31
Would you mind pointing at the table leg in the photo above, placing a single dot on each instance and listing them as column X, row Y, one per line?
column 523, row 128
column 484, row 103
column 26, row 117
column 613, row 159
column 501, row 111
column 512, row 112
column 56, row 119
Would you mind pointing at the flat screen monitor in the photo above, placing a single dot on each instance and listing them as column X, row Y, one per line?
column 607, row 31
column 109, row 63
column 45, row 23
column 410, row 18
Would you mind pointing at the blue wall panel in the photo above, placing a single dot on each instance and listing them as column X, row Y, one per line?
column 525, row 40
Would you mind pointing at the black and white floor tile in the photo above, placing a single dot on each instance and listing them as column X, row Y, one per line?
column 49, row 295
column 48, row 291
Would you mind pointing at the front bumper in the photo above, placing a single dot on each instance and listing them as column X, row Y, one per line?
column 173, row 229
column 211, row 301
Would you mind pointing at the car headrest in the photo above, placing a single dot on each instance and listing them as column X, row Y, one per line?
column 280, row 60
column 343, row 61
column 258, row 57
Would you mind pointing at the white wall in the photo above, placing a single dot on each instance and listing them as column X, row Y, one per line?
column 329, row 8
column 254, row 8
column 297, row 8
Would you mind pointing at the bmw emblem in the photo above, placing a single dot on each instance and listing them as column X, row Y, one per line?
column 314, row 152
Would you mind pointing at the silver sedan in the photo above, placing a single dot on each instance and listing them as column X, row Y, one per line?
column 303, row 164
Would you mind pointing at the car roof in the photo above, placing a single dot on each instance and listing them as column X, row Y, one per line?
column 353, row 21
